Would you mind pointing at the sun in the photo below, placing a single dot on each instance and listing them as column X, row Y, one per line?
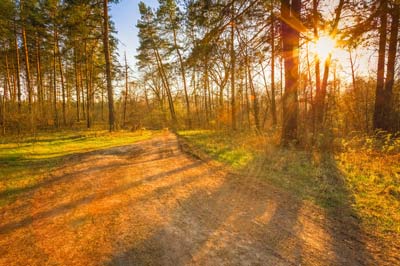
column 324, row 45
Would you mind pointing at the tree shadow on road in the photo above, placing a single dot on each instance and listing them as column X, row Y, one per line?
column 205, row 216
column 248, row 222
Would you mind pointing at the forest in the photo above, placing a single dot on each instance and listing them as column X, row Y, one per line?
column 242, row 132
column 202, row 64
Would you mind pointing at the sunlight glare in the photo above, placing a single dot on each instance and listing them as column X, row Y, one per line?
column 324, row 46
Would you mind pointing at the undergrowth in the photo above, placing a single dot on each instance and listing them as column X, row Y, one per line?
column 360, row 180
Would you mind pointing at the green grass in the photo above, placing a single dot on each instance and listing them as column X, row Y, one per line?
column 24, row 162
column 374, row 181
column 219, row 147
column 354, row 182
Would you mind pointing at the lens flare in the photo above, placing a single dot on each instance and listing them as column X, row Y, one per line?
column 324, row 45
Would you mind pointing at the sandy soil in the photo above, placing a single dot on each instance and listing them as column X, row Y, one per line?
column 151, row 204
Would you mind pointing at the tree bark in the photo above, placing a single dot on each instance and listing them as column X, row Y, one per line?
column 273, row 104
column 126, row 89
column 165, row 82
column 108, row 68
column 290, row 12
column 8, row 77
column 88, row 88
column 82, row 89
column 28, row 74
column 39, row 75
column 388, row 124
column 253, row 95
column 62, row 80
column 318, row 100
column 182, row 68
column 205, row 89
column 380, row 83
column 78, row 96
column 17, row 69
column 54, row 78
column 3, row 106
column 233, row 63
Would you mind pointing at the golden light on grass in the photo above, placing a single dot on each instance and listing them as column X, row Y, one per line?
column 324, row 45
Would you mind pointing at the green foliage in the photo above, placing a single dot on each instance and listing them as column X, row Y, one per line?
column 372, row 170
column 221, row 147
column 26, row 162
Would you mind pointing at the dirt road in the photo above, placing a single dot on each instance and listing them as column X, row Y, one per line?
column 151, row 204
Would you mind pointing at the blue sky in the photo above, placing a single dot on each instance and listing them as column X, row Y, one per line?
column 125, row 15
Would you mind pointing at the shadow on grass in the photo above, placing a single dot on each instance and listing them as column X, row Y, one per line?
column 315, row 178
column 32, row 169
column 225, row 226
column 28, row 141
column 221, row 227
column 7, row 228
column 243, row 221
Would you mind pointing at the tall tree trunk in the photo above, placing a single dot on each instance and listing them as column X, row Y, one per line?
column 15, row 86
column 146, row 98
column 311, row 99
column 266, row 92
column 253, row 95
column 8, row 78
column 356, row 93
column 290, row 13
column 91, row 89
column 54, row 78
column 245, row 96
column 102, row 104
column 353, row 74
column 27, row 70
column 318, row 104
column 82, row 89
column 281, row 71
column 166, row 86
column 17, row 69
column 88, row 92
column 273, row 104
column 3, row 99
column 39, row 75
column 78, row 96
column 126, row 89
column 321, row 100
column 394, row 31
column 196, row 102
column 27, row 65
column 108, row 67
column 12, row 88
column 205, row 89
column 62, row 80
column 380, row 83
column 233, row 63
column 210, row 99
column 182, row 68
column 28, row 77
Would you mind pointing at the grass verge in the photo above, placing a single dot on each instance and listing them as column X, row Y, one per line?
column 357, row 182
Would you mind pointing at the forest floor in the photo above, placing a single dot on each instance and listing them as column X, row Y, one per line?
column 150, row 203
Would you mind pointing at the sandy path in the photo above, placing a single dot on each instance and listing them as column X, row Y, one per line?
column 151, row 204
